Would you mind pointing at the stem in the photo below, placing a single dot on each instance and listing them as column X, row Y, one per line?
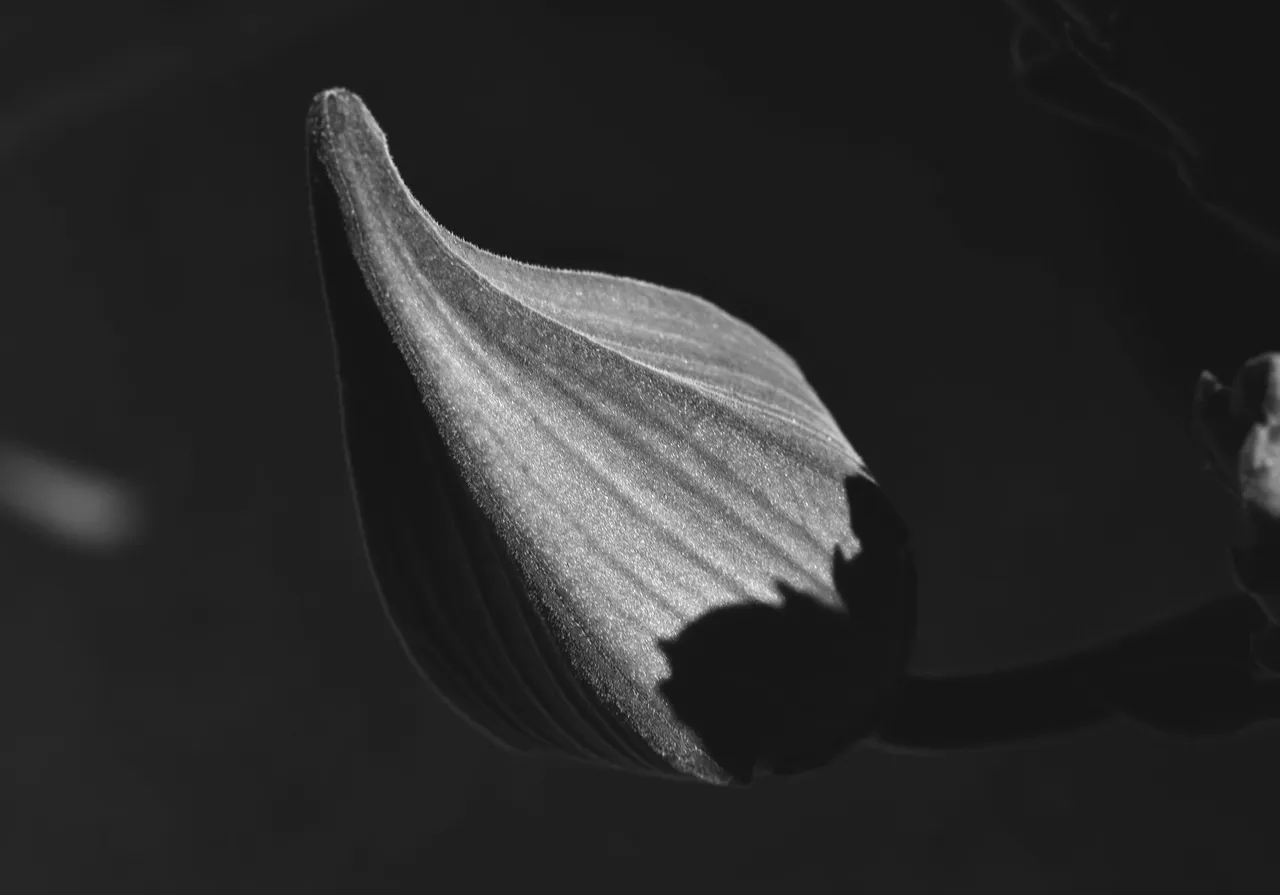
column 1192, row 675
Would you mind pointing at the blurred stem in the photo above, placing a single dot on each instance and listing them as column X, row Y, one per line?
column 1191, row 675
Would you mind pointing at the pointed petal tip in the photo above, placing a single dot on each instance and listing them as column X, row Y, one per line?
column 338, row 111
column 334, row 101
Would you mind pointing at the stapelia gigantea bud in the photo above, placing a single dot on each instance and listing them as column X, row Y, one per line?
column 1239, row 425
column 608, row 520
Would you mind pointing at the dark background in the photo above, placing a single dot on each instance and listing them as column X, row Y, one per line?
column 199, row 689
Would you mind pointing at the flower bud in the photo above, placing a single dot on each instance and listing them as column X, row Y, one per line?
column 1239, row 425
column 609, row 521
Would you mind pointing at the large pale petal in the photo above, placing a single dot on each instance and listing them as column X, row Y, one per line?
column 637, row 457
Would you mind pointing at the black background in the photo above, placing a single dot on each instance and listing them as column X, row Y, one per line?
column 217, row 703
